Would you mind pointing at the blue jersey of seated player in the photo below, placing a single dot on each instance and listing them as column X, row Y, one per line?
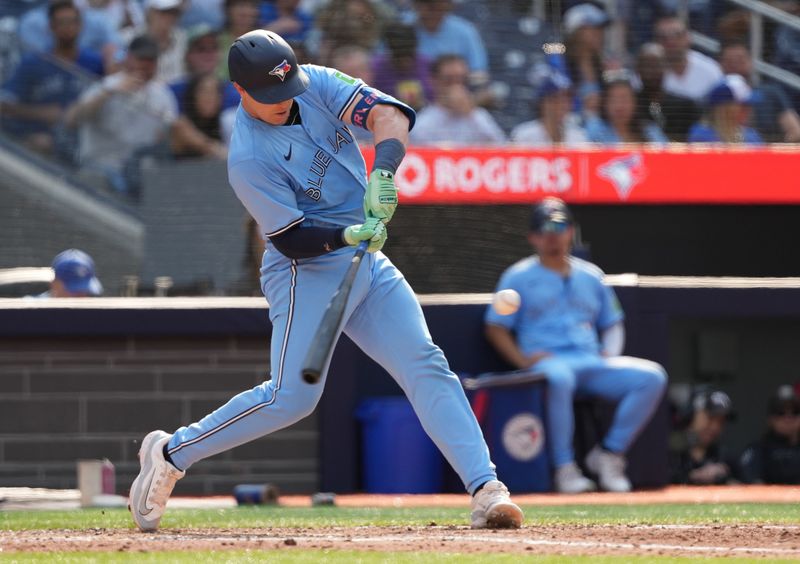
column 558, row 313
column 311, row 173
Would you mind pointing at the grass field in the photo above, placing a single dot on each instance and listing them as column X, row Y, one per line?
column 259, row 517
column 590, row 533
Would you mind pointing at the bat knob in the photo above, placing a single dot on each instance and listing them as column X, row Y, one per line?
column 310, row 376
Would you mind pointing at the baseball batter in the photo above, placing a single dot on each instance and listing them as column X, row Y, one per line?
column 570, row 328
column 295, row 166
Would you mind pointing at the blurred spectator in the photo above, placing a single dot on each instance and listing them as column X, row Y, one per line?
column 441, row 33
column 119, row 13
column 202, row 57
column 584, row 26
column 124, row 113
column 689, row 74
column 775, row 458
column 208, row 12
column 43, row 85
column 162, row 25
column 729, row 104
column 518, row 36
column 211, row 122
column 285, row 18
column 697, row 456
column 773, row 115
column 618, row 121
column 570, row 327
column 73, row 276
column 400, row 71
column 97, row 34
column 354, row 61
column 241, row 16
column 553, row 101
column 673, row 114
column 301, row 52
column 348, row 22
column 453, row 118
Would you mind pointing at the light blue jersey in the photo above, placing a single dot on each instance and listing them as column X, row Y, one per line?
column 313, row 174
column 563, row 316
column 558, row 313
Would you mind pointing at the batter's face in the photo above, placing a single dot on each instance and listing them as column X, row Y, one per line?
column 273, row 114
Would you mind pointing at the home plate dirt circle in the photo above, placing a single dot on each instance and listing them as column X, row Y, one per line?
column 750, row 541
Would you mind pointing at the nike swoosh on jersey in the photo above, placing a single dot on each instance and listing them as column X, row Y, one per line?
column 288, row 156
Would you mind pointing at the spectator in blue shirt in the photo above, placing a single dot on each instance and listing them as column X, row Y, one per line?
column 97, row 34
column 35, row 97
column 729, row 104
column 441, row 33
column 286, row 19
column 618, row 121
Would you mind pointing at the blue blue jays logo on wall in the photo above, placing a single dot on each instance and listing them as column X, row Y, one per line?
column 624, row 173
column 281, row 70
column 523, row 437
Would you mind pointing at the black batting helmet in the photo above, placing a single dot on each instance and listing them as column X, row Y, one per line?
column 264, row 65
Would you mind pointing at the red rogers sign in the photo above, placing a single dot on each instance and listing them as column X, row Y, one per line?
column 688, row 175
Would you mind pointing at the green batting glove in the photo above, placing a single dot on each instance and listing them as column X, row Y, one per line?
column 380, row 199
column 372, row 230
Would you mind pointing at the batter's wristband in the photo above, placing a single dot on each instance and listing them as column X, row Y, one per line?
column 389, row 154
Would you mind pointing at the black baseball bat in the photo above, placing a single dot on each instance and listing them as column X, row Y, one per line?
column 325, row 338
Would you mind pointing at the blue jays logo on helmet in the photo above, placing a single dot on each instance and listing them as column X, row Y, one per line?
column 281, row 70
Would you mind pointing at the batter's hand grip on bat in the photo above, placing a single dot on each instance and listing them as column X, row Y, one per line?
column 325, row 338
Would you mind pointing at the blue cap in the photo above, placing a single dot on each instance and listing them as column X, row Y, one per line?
column 75, row 269
column 582, row 15
column 553, row 82
column 550, row 215
column 732, row 88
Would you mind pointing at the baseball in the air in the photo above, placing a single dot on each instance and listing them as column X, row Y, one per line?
column 506, row 302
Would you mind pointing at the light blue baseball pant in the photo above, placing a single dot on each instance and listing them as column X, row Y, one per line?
column 636, row 384
column 384, row 318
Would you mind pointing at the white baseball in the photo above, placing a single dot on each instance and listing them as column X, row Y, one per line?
column 506, row 302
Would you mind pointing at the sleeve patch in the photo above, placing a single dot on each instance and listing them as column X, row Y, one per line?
column 345, row 78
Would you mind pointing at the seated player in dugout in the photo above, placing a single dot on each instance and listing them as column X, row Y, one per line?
column 697, row 453
column 569, row 327
column 295, row 166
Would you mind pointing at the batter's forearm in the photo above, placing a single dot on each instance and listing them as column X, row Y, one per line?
column 503, row 342
column 307, row 242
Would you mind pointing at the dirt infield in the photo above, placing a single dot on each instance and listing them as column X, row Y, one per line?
column 750, row 541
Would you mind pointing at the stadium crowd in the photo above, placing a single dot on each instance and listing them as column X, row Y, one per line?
column 101, row 83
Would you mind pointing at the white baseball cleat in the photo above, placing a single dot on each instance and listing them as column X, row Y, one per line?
column 152, row 487
column 610, row 470
column 492, row 508
column 570, row 480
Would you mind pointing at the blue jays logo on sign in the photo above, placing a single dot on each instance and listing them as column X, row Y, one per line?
column 624, row 173
column 281, row 70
